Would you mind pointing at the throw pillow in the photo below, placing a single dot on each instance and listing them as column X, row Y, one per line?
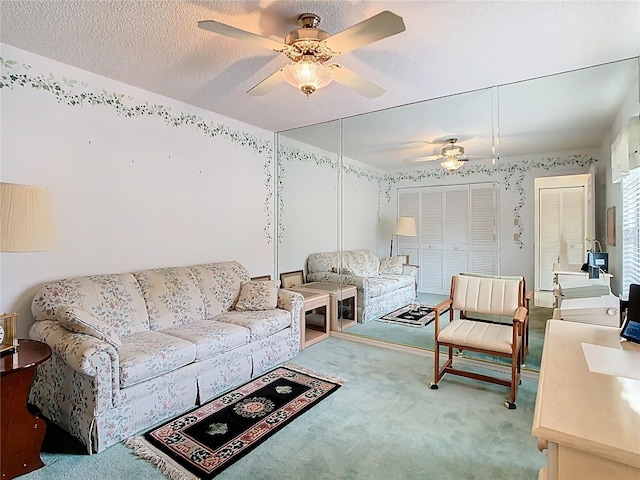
column 79, row 321
column 258, row 295
column 391, row 265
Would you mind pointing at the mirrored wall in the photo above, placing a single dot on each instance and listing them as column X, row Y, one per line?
column 343, row 185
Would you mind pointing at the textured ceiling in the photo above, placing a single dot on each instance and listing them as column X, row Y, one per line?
column 448, row 47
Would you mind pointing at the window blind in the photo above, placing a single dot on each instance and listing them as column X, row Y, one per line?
column 630, row 229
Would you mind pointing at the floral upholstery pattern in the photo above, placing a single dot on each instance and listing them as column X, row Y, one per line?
column 172, row 296
column 150, row 354
column 211, row 337
column 391, row 265
column 261, row 323
column 220, row 285
column 114, row 299
column 378, row 294
column 79, row 321
column 182, row 343
column 258, row 295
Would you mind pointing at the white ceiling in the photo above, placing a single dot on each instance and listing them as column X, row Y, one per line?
column 448, row 47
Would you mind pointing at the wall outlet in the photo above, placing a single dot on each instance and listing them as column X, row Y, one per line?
column 516, row 237
column 516, row 221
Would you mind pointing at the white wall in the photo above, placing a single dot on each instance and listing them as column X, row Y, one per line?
column 129, row 193
column 308, row 204
column 310, row 212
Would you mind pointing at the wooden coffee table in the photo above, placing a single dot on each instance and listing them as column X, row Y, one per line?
column 310, row 334
column 337, row 293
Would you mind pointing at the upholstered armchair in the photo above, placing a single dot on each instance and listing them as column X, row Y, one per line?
column 488, row 296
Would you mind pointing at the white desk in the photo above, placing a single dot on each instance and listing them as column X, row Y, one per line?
column 590, row 421
column 567, row 272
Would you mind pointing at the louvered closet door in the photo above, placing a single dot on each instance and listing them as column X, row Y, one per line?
column 484, row 257
column 562, row 230
column 456, row 231
column 431, row 241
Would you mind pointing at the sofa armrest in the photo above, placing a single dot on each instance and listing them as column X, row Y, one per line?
column 411, row 270
column 83, row 353
column 292, row 302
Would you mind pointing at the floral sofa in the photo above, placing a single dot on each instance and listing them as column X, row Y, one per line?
column 384, row 285
column 133, row 349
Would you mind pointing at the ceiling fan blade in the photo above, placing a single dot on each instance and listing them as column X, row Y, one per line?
column 355, row 82
column 268, row 84
column 427, row 158
column 233, row 32
column 382, row 25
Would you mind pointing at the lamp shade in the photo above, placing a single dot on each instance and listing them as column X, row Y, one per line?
column 406, row 227
column 26, row 219
column 307, row 75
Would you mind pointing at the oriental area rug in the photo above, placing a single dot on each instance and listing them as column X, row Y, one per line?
column 203, row 442
column 419, row 316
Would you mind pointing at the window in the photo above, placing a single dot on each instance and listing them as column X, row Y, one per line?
column 630, row 229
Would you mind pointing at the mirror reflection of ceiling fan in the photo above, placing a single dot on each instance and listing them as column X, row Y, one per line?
column 310, row 48
column 452, row 156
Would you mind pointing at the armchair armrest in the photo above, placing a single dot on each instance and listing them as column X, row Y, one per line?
column 521, row 315
column 439, row 308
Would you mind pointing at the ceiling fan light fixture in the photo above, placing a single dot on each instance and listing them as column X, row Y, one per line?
column 452, row 164
column 308, row 75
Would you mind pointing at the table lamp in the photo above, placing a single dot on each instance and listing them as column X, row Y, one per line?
column 26, row 225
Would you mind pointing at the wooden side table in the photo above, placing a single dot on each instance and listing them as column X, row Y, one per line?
column 337, row 294
column 312, row 300
column 21, row 432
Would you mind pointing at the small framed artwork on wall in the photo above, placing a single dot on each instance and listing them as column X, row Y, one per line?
column 291, row 279
column 611, row 226
column 261, row 278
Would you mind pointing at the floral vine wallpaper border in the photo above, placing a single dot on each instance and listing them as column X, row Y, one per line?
column 511, row 174
column 65, row 93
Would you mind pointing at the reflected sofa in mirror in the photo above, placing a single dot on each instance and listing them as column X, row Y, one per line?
column 552, row 126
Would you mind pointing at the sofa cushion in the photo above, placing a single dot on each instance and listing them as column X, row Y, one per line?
column 392, row 265
column 210, row 337
column 115, row 299
column 172, row 295
column 258, row 295
column 146, row 355
column 220, row 285
column 387, row 283
column 261, row 323
column 79, row 321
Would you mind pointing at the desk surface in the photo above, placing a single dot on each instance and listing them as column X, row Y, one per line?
column 594, row 413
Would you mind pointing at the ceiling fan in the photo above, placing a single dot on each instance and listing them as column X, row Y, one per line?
column 310, row 48
column 452, row 155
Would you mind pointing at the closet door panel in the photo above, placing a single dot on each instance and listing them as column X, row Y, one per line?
column 432, row 270
column 484, row 257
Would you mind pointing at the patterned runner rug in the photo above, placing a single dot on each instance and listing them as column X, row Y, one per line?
column 421, row 317
column 203, row 442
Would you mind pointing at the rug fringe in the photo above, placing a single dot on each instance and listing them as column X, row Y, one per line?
column 162, row 462
column 321, row 376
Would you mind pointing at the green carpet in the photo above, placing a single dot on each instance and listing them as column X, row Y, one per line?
column 384, row 423
column 423, row 337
